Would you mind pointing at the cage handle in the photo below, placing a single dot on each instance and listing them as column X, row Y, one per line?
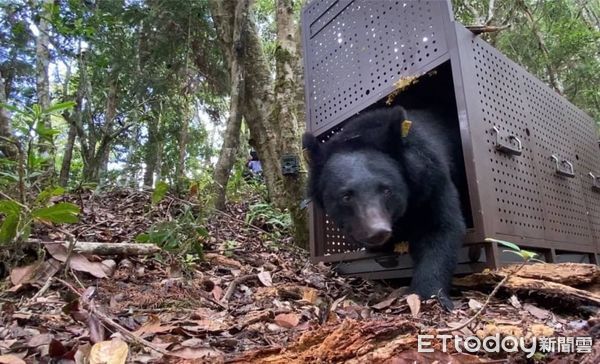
column 511, row 148
column 595, row 182
column 569, row 171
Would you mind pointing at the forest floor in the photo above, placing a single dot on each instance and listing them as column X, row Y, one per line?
column 257, row 300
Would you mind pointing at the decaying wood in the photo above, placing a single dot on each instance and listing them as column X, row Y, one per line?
column 94, row 248
column 351, row 342
column 571, row 274
column 518, row 284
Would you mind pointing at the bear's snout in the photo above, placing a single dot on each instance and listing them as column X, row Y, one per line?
column 376, row 229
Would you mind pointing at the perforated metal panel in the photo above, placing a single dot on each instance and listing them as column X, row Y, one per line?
column 356, row 50
column 501, row 96
column 564, row 204
column 587, row 160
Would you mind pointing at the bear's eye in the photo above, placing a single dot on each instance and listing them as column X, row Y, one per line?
column 347, row 196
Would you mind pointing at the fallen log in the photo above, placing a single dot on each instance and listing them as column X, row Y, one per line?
column 570, row 274
column 96, row 248
column 351, row 341
column 516, row 284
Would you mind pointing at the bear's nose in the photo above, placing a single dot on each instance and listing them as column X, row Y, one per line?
column 379, row 236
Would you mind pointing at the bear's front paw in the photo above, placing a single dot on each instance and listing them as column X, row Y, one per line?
column 439, row 294
column 445, row 301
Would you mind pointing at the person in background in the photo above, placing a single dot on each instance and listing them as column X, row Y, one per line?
column 254, row 165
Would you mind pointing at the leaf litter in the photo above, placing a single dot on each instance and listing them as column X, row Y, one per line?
column 259, row 300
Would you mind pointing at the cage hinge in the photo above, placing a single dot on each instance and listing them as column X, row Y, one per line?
column 563, row 167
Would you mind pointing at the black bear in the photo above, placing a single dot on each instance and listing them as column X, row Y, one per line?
column 383, row 179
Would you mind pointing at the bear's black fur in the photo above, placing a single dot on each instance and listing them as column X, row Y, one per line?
column 381, row 188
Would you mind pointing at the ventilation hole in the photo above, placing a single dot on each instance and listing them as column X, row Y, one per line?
column 527, row 131
column 577, row 156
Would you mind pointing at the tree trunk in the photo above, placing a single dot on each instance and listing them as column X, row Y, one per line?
column 151, row 153
column 284, row 116
column 182, row 146
column 66, row 162
column 42, row 83
column 272, row 120
column 91, row 166
column 7, row 148
column 231, row 138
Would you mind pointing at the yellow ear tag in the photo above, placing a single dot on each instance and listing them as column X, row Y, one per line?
column 401, row 247
column 406, row 124
column 306, row 156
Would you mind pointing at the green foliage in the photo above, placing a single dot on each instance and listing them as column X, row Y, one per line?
column 160, row 191
column 181, row 236
column 18, row 218
column 12, row 215
column 515, row 249
column 59, row 213
column 271, row 217
column 44, row 197
column 229, row 246
column 30, row 133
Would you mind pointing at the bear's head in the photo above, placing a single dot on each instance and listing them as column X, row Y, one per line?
column 357, row 181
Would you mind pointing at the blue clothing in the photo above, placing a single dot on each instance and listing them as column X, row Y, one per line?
column 255, row 166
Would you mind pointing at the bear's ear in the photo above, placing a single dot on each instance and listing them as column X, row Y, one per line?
column 400, row 126
column 311, row 149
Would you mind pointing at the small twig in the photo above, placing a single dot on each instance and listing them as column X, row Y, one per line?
column 487, row 301
column 108, row 321
column 76, row 279
column 234, row 284
column 70, row 248
column 43, row 289
column 254, row 227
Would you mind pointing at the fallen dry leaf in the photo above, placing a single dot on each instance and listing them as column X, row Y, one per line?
column 207, row 325
column 208, row 354
column 413, row 356
column 152, row 326
column 21, row 275
column 109, row 266
column 414, row 303
column 217, row 293
column 77, row 261
column 514, row 301
column 38, row 340
column 287, row 320
column 540, row 330
column 39, row 275
column 109, row 352
column 82, row 356
column 11, row 359
column 265, row 278
column 537, row 312
column 222, row 260
column 384, row 304
column 96, row 329
column 192, row 343
column 310, row 295
column 475, row 305
column 504, row 330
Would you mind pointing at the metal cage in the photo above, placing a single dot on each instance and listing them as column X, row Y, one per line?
column 530, row 157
